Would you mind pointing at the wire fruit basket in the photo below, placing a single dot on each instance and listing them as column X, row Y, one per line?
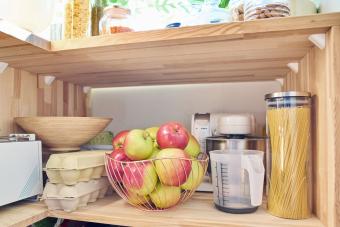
column 156, row 184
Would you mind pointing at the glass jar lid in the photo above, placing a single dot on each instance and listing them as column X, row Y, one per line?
column 288, row 94
column 116, row 11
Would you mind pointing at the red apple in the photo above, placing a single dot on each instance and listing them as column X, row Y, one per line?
column 138, row 145
column 118, row 140
column 172, row 167
column 140, row 177
column 116, row 168
column 172, row 135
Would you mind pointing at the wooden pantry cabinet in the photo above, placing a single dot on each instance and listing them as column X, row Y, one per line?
column 242, row 51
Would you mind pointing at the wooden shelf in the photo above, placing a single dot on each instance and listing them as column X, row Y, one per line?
column 198, row 211
column 240, row 51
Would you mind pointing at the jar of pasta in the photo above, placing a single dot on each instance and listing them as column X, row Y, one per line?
column 116, row 19
column 261, row 9
column 288, row 166
column 77, row 17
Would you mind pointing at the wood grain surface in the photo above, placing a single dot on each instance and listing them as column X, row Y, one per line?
column 198, row 211
column 319, row 73
column 239, row 51
column 24, row 94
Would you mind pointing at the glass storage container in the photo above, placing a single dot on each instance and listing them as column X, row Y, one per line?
column 77, row 16
column 97, row 12
column 289, row 125
column 116, row 19
column 261, row 9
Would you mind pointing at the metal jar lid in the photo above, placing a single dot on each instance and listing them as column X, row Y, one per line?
column 287, row 94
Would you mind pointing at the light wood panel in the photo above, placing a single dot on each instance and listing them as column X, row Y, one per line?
column 319, row 73
column 21, row 214
column 18, row 97
column 24, row 94
column 60, row 99
column 198, row 211
column 240, row 51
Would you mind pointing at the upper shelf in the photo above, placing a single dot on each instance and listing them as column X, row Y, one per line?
column 240, row 51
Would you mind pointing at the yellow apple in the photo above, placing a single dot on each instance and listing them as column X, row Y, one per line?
column 195, row 177
column 165, row 196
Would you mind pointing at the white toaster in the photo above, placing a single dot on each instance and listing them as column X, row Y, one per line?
column 20, row 171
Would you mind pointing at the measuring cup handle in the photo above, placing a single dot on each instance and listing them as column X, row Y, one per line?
column 255, row 168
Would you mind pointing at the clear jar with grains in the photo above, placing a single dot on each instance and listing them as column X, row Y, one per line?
column 97, row 12
column 288, row 162
column 77, row 16
column 261, row 9
column 116, row 19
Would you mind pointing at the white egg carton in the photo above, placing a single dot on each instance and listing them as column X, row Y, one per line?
column 70, row 198
column 71, row 168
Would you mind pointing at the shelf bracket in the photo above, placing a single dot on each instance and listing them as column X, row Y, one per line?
column 280, row 80
column 3, row 67
column 318, row 40
column 86, row 89
column 49, row 80
column 294, row 66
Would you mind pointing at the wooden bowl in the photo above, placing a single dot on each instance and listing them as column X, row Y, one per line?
column 63, row 134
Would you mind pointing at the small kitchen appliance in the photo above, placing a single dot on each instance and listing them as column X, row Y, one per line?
column 213, row 124
column 20, row 170
column 237, row 177
column 225, row 132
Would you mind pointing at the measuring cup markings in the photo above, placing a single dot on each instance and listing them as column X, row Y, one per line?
column 231, row 178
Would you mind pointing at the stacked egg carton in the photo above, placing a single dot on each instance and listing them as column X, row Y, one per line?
column 75, row 179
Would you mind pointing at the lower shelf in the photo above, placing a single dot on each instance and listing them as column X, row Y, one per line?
column 198, row 211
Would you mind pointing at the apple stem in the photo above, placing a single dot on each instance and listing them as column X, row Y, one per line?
column 146, row 134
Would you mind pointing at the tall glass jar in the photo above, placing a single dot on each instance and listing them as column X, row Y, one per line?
column 97, row 12
column 77, row 16
column 289, row 125
column 261, row 9
column 116, row 19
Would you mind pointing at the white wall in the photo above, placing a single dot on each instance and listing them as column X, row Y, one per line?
column 141, row 107
column 329, row 6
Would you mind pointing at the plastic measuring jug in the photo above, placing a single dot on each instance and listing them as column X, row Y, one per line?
column 237, row 177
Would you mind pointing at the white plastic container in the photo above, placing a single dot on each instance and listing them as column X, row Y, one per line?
column 237, row 177
column 70, row 198
column 236, row 124
column 302, row 7
column 71, row 168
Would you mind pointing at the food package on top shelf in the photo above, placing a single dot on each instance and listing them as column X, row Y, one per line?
column 70, row 198
column 74, row 167
column 261, row 9
column 237, row 9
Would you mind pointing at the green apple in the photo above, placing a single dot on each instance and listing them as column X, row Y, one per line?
column 165, row 196
column 193, row 148
column 138, row 145
column 173, row 166
column 154, row 153
column 195, row 177
column 140, row 177
column 153, row 134
column 136, row 199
